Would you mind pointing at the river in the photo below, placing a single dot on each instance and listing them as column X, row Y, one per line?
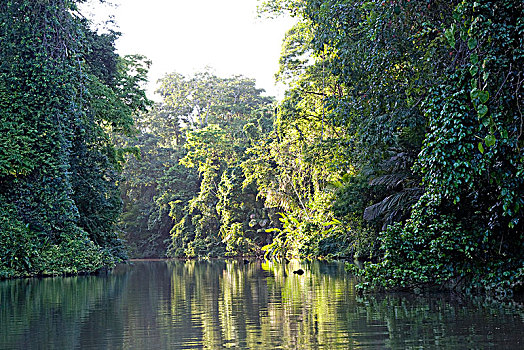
column 236, row 304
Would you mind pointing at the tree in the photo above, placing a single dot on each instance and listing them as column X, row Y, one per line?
column 63, row 94
column 423, row 100
column 466, row 230
column 187, row 180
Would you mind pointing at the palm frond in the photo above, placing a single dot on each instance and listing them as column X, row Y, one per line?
column 389, row 180
column 392, row 205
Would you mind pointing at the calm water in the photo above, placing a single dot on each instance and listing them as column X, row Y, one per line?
column 229, row 304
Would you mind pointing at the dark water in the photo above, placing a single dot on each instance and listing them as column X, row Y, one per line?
column 229, row 304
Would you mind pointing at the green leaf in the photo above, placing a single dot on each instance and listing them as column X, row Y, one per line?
column 483, row 96
column 474, row 58
column 482, row 110
column 490, row 140
column 473, row 70
column 450, row 36
column 269, row 230
column 472, row 43
column 266, row 247
column 481, row 148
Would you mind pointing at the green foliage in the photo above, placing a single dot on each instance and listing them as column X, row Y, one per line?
column 351, row 116
column 434, row 252
column 467, row 229
column 312, row 238
column 18, row 250
column 64, row 93
column 184, row 195
column 417, row 106
column 236, row 116
column 238, row 208
column 156, row 188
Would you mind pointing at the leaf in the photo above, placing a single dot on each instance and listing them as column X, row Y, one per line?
column 472, row 43
column 450, row 36
column 490, row 140
column 473, row 70
column 331, row 222
column 481, row 148
column 482, row 110
column 391, row 203
column 266, row 247
column 483, row 96
column 390, row 180
column 474, row 58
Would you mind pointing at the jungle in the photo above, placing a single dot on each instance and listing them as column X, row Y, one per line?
column 399, row 142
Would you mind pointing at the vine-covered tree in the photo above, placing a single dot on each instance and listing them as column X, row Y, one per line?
column 467, row 230
column 426, row 97
column 64, row 93
column 186, row 188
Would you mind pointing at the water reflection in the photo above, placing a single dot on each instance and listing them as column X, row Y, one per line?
column 232, row 304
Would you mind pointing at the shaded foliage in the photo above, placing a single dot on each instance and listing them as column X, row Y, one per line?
column 63, row 93
column 466, row 231
column 185, row 194
column 421, row 103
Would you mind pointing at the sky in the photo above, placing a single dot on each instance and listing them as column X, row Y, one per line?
column 188, row 35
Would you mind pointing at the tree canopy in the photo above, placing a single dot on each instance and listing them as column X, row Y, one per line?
column 64, row 94
column 399, row 140
column 427, row 99
column 187, row 183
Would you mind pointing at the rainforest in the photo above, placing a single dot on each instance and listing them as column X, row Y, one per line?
column 399, row 142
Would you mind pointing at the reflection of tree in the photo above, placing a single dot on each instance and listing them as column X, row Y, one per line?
column 221, row 304
column 442, row 320
column 259, row 305
column 61, row 312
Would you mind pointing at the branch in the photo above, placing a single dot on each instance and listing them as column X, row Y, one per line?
column 504, row 82
column 314, row 93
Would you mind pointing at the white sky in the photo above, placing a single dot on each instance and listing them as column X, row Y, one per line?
column 187, row 35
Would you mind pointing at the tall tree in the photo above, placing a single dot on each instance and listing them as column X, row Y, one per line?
column 426, row 100
column 192, row 185
column 466, row 231
column 63, row 93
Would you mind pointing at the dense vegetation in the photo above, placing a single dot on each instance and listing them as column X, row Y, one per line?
column 64, row 94
column 399, row 139
column 184, row 194
column 426, row 98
